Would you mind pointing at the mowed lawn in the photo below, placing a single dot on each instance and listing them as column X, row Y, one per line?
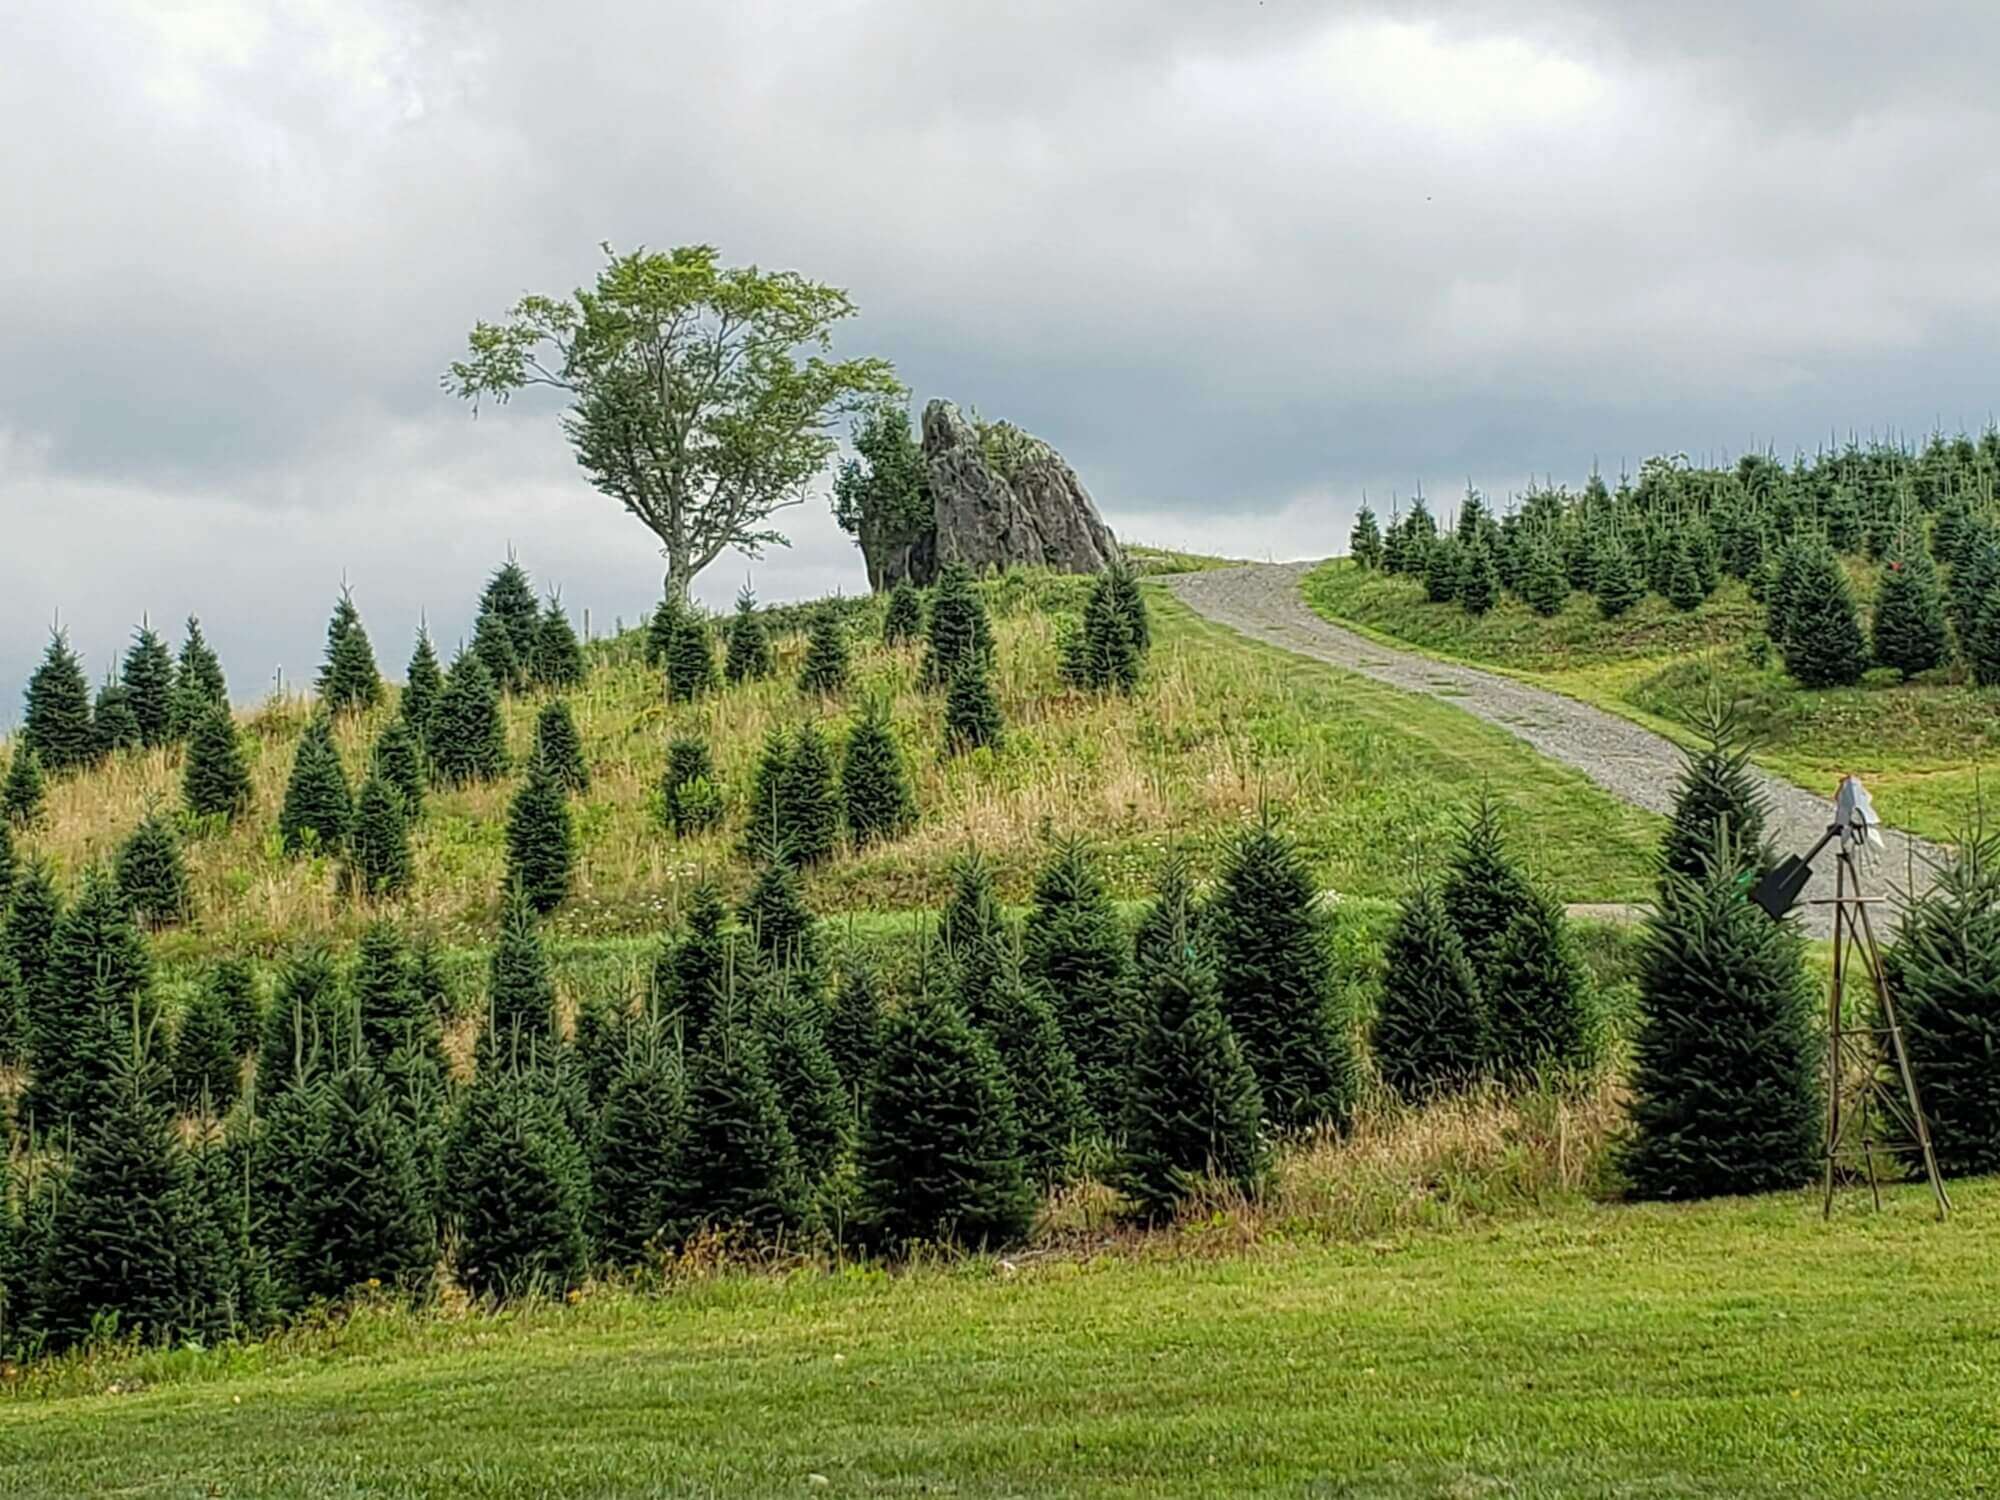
column 1738, row 1348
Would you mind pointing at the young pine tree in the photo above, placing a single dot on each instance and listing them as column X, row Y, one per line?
column 824, row 671
column 1544, row 585
column 519, row 1188
column 1432, row 1029
column 635, row 1152
column 881, row 807
column 940, row 1151
column 1276, row 977
column 1823, row 645
column 1684, row 590
column 1543, row 1012
column 808, row 789
column 972, row 712
column 660, row 626
column 348, row 678
column 91, row 1006
column 152, row 876
column 391, row 1014
column 690, row 795
column 903, row 620
column 364, row 1212
column 748, row 657
column 766, row 820
column 1364, row 542
column 1077, row 955
column 1444, row 570
column 1050, row 1106
column 738, row 1166
column 1130, row 602
column 559, row 746
column 1483, row 888
column 198, row 682
column 423, row 687
column 558, row 656
column 24, row 793
column 1909, row 625
column 690, row 659
column 112, row 723
column 208, row 1068
column 958, row 634
column 148, row 680
column 56, row 724
column 1102, row 656
column 780, row 924
column 807, row 1079
column 1618, row 584
column 214, row 782
column 318, row 805
column 509, row 602
column 27, row 935
column 234, row 987
column 466, row 739
column 521, row 990
column 1725, row 1081
column 1479, row 580
column 854, row 1024
column 1718, row 791
column 398, row 759
column 304, row 1023
column 692, row 969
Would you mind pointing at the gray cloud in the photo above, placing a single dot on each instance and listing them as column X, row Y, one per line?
column 1240, row 261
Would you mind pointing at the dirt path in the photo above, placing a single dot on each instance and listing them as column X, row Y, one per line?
column 1262, row 600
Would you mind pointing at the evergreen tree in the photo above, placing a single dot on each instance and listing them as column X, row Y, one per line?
column 824, row 671
column 1980, row 638
column 958, row 634
column 972, row 712
column 509, row 601
column 690, row 660
column 25, row 793
column 423, row 687
column 808, row 791
column 603, row 1029
column 235, row 990
column 1823, row 645
column 27, row 937
column 748, row 656
column 903, row 620
column 198, row 682
column 113, row 725
column 806, row 1078
column 215, row 783
column 1945, row 975
column 398, row 759
column 1618, row 585
column 1543, row 1013
column 1077, row 954
column 561, row 747
column 1364, row 542
column 1718, row 791
column 289, row 1135
column 779, row 921
column 1909, row 627
column 1050, row 1106
column 56, row 723
column 1276, row 978
column 1483, row 888
column 940, row 1151
column 7, row 866
column 1123, row 583
column 467, row 741
column 1684, row 591
column 152, row 877
column 1725, row 1082
column 690, row 972
column 1173, row 920
column 364, row 1216
column 348, row 678
column 13, row 1036
column 91, row 1003
column 318, row 804
column 519, row 1188
column 302, row 1025
column 1479, row 581
column 765, row 823
column 854, row 1024
column 1545, row 586
column 391, row 1014
column 738, row 1167
column 690, row 796
column 635, row 1153
column 974, row 936
column 874, row 785
column 1193, row 1109
column 558, row 655
column 521, row 992
column 493, row 648
column 1102, row 656
column 541, row 841
column 660, row 627
column 148, row 680
column 208, row 1069
column 1433, row 1028
column 1444, row 570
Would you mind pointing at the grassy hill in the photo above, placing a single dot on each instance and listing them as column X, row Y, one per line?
column 1922, row 747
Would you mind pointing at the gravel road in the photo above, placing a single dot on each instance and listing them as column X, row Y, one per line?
column 1263, row 601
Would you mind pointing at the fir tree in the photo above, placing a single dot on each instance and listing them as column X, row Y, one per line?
column 56, row 723
column 348, row 678
column 25, row 793
column 1909, row 626
column 972, row 712
column 398, row 759
column 1479, row 581
column 198, row 682
column 1050, row 1106
column 27, row 937
column 1544, row 1016
column 824, row 671
column 215, row 783
column 560, row 747
column 289, row 1135
column 423, row 687
column 690, row 660
column 1193, row 1110
column 806, row 1078
column 148, row 679
column 940, row 1151
column 1432, row 1028
column 1364, row 542
column 1276, row 978
column 854, row 1024
column 881, row 807
column 1725, row 1082
column 1618, row 585
column 391, row 1014
column 541, row 841
column 748, row 657
column 1173, row 920
column 738, row 1167
column 558, row 655
column 808, row 792
column 6, row 865
column 91, row 1005
column 152, row 877
column 660, row 627
column 974, row 935
column 603, row 1029
column 113, row 725
column 690, row 797
column 234, row 987
column 509, row 600
column 519, row 1188
column 318, row 804
column 766, row 813
column 427, row 974
column 302, row 1024
column 1718, row 793
column 1545, row 586
column 1823, row 644
column 208, row 1069
column 1130, row 602
column 690, row 972
column 1076, row 954
column 778, row 919
column 635, row 1153
column 903, row 620
column 958, row 635
column 521, row 991
column 364, row 1216
column 1483, row 888
column 467, row 741
column 13, row 1035
column 1684, row 590
column 1444, row 570
column 1102, row 656
column 493, row 648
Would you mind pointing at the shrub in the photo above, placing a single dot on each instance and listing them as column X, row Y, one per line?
column 560, row 747
column 348, row 678
column 152, row 877
column 874, row 785
column 466, row 739
column 1432, row 1029
column 318, row 805
column 825, row 668
column 747, row 658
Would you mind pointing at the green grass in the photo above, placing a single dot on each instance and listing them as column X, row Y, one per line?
column 1740, row 1348
column 1923, row 748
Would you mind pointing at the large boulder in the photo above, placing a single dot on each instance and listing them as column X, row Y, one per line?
column 1000, row 496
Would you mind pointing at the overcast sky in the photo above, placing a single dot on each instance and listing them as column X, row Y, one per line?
column 1239, row 261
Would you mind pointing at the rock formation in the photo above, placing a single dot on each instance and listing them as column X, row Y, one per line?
column 999, row 496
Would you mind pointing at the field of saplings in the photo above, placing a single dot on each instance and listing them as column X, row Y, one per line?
column 1017, row 911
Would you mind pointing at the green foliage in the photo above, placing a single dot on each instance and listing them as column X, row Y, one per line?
column 738, row 1167
column 27, row 938
column 318, row 805
column 1483, row 888
column 1618, row 584
column 214, row 781
column 152, row 876
column 348, row 678
column 148, row 680
column 1174, row 917
column 302, row 1025
column 557, row 661
column 690, row 659
column 25, row 792
column 807, row 1080
column 1822, row 643
column 1123, row 583
column 690, row 799
column 289, row 1134
column 1980, row 638
column 198, row 682
column 113, row 725
column 1909, row 626
column 1050, row 1106
column 1719, row 800
column 423, row 688
column 1364, row 542
column 1544, row 1016
column 364, row 1214
column 875, row 787
column 748, row 657
column 1103, row 656
column 493, row 647
column 1432, row 1028
column 1444, row 570
column 90, row 1004
column 958, row 634
column 660, row 626
column 972, row 712
column 635, row 1152
column 521, row 989
column 56, row 724
column 1684, row 589
column 1545, row 586
column 766, row 821
column 880, row 497
column 398, row 759
column 903, row 620
column 1479, row 580
column 824, row 670
column 560, row 747
column 779, row 922
column 391, row 1013
column 519, row 1188
column 466, row 739
column 1725, row 1079
column 1077, row 955
column 508, row 603
column 808, row 795
column 235, row 990
column 1276, row 978
column 13, row 1028
column 940, row 1151
column 208, row 1068
column 691, row 972
column 854, row 1023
